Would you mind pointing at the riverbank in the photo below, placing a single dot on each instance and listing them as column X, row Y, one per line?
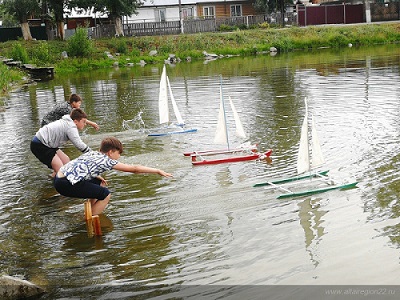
column 8, row 78
column 130, row 51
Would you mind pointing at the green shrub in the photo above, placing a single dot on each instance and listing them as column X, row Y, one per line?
column 224, row 28
column 7, row 77
column 79, row 44
column 18, row 52
column 120, row 46
column 264, row 25
column 135, row 52
column 40, row 54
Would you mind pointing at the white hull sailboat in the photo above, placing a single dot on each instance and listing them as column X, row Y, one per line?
column 309, row 158
column 244, row 152
column 168, row 128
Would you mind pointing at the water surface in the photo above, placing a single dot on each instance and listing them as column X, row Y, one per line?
column 208, row 229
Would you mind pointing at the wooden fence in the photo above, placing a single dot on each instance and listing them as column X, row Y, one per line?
column 190, row 26
column 152, row 28
column 306, row 15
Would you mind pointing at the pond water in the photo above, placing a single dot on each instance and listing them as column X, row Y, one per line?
column 208, row 233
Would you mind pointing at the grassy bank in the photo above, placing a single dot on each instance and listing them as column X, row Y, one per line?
column 97, row 54
column 8, row 77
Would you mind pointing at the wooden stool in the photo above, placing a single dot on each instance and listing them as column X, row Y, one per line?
column 92, row 222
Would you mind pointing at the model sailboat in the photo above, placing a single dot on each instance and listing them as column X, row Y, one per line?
column 244, row 152
column 309, row 158
column 163, row 110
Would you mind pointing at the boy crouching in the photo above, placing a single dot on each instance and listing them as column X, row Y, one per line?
column 80, row 178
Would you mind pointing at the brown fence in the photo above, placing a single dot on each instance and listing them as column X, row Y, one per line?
column 330, row 14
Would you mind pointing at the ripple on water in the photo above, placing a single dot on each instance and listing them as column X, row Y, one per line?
column 208, row 225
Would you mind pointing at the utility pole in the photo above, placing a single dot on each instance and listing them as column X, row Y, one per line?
column 180, row 16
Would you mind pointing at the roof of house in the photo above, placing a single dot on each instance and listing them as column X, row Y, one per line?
column 147, row 3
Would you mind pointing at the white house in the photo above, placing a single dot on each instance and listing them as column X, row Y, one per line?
column 168, row 10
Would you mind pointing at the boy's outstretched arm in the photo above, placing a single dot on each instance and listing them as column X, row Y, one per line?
column 140, row 169
column 93, row 124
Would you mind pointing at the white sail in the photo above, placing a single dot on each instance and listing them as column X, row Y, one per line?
column 221, row 134
column 239, row 127
column 317, row 157
column 303, row 159
column 163, row 98
column 174, row 106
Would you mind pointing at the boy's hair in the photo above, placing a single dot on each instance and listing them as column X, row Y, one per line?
column 111, row 143
column 74, row 98
column 78, row 114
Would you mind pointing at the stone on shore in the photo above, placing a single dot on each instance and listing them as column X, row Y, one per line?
column 15, row 288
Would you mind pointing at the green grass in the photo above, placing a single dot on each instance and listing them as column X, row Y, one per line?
column 7, row 76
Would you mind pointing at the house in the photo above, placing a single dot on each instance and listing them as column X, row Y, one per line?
column 168, row 10
column 74, row 19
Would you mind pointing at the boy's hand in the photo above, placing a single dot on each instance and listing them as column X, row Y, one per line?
column 165, row 174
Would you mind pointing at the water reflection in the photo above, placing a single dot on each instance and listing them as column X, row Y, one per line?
column 311, row 220
column 208, row 225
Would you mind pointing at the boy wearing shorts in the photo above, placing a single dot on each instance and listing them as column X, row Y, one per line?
column 46, row 142
column 80, row 178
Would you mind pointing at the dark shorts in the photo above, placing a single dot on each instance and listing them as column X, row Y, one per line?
column 90, row 189
column 42, row 152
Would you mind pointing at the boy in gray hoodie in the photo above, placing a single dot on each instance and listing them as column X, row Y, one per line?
column 46, row 142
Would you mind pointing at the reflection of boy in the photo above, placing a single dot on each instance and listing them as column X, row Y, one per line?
column 46, row 142
column 80, row 178
column 75, row 101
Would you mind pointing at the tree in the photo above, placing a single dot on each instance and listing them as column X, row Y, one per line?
column 115, row 9
column 22, row 10
column 266, row 6
column 7, row 19
column 57, row 7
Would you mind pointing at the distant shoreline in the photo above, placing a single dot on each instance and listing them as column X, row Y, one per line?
column 131, row 51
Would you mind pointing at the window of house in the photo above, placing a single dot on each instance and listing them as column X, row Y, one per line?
column 236, row 10
column 187, row 13
column 209, row 12
column 160, row 15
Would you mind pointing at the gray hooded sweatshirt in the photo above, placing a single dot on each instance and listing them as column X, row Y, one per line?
column 57, row 133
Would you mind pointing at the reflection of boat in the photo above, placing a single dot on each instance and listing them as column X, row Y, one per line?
column 244, row 152
column 163, row 109
column 307, row 161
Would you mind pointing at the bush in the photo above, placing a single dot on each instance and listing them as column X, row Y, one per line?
column 40, row 55
column 18, row 52
column 120, row 46
column 79, row 44
column 225, row 28
column 135, row 52
column 264, row 25
column 7, row 77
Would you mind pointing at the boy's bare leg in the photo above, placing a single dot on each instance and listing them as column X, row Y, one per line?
column 99, row 205
column 62, row 156
column 58, row 161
